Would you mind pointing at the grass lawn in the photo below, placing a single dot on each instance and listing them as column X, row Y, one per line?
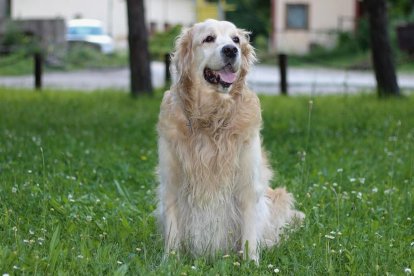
column 77, row 186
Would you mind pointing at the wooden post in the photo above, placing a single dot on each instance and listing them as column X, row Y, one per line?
column 282, row 58
column 38, row 70
column 167, row 59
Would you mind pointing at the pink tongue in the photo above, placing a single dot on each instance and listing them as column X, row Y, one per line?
column 227, row 76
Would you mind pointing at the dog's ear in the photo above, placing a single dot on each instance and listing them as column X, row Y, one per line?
column 248, row 53
column 182, row 57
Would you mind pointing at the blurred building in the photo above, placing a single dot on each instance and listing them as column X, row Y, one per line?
column 160, row 14
column 297, row 26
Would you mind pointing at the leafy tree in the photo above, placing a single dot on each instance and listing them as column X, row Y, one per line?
column 252, row 15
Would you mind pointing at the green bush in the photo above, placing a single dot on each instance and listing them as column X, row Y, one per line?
column 162, row 43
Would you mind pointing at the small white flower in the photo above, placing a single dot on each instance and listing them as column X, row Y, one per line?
column 29, row 171
column 14, row 190
column 361, row 180
column 31, row 232
column 88, row 218
column 6, row 274
column 16, row 267
column 329, row 237
column 407, row 270
column 80, row 257
column 375, row 190
column 119, row 262
column 340, row 170
column 70, row 198
column 193, row 267
column 276, row 270
column 412, row 243
column 359, row 195
column 352, row 179
column 226, row 256
column 138, row 249
column 236, row 264
column 270, row 266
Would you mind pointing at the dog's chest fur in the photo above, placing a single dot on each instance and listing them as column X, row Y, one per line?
column 209, row 154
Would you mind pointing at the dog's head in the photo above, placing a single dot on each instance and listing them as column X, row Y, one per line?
column 213, row 53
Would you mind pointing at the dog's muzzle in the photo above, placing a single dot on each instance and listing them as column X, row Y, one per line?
column 226, row 75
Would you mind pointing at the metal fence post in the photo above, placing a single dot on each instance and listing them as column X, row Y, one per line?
column 38, row 60
column 167, row 59
column 282, row 58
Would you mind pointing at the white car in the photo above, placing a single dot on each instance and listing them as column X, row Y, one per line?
column 89, row 31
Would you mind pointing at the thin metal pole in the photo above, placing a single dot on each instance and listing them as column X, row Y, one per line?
column 38, row 70
column 282, row 58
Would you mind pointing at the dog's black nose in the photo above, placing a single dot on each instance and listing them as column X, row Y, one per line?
column 229, row 51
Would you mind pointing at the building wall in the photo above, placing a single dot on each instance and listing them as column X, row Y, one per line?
column 326, row 17
column 111, row 12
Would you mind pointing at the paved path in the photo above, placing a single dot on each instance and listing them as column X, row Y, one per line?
column 262, row 78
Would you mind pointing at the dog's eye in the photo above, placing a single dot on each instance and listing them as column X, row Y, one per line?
column 209, row 39
column 236, row 39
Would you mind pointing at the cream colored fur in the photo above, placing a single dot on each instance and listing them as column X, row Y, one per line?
column 214, row 193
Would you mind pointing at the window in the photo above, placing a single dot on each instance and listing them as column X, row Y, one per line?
column 297, row 16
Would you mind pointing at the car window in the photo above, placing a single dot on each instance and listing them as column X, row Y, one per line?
column 85, row 30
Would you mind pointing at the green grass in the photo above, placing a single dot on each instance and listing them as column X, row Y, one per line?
column 78, row 58
column 77, row 186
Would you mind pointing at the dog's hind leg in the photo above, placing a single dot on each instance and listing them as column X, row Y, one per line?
column 282, row 214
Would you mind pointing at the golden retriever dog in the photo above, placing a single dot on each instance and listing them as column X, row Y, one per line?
column 214, row 193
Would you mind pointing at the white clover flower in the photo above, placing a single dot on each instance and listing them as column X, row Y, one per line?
column 193, row 267
column 14, row 190
column 375, row 190
column 276, row 270
column 407, row 270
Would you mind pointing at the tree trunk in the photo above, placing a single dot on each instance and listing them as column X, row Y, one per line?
column 139, row 58
column 382, row 56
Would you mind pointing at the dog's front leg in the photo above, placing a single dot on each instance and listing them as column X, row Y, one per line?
column 249, row 233
column 171, row 229
column 254, row 179
column 167, row 172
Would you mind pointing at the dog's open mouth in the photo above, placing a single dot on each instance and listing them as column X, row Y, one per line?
column 225, row 76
